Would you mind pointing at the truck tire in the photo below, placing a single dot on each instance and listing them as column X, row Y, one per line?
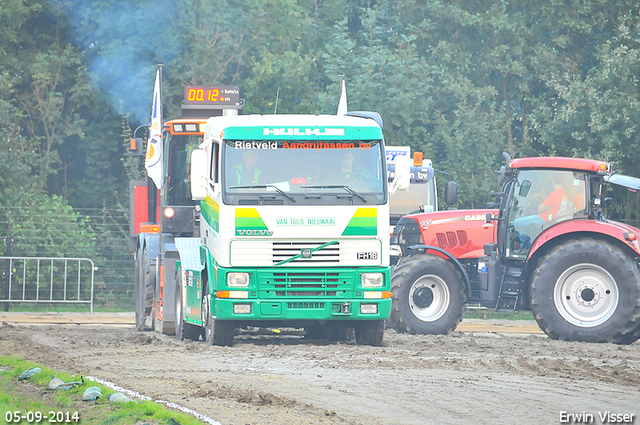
column 145, row 281
column 216, row 332
column 370, row 332
column 184, row 330
column 587, row 290
column 427, row 296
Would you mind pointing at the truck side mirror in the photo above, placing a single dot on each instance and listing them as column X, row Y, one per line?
column 199, row 175
column 450, row 193
column 402, row 179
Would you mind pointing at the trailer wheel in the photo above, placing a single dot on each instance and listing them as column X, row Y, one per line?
column 216, row 332
column 428, row 296
column 370, row 332
column 145, row 286
column 587, row 290
column 184, row 330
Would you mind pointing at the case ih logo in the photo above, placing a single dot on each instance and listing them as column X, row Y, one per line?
column 479, row 217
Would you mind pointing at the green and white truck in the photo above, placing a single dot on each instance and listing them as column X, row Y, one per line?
column 294, row 228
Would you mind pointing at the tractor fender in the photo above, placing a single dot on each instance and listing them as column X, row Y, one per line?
column 610, row 229
column 454, row 260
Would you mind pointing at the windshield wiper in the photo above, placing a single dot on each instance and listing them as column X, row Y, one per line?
column 264, row 186
column 336, row 186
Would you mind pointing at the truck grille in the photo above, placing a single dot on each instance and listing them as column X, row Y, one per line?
column 300, row 253
column 305, row 285
column 285, row 250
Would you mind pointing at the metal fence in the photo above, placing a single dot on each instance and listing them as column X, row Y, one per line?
column 47, row 280
column 100, row 236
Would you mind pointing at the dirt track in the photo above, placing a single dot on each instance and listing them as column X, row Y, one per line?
column 460, row 378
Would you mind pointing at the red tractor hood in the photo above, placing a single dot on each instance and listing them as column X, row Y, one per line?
column 463, row 233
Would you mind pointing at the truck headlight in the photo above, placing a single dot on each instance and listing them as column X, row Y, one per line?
column 395, row 251
column 238, row 279
column 372, row 280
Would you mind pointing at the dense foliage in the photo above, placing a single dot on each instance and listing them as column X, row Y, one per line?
column 460, row 80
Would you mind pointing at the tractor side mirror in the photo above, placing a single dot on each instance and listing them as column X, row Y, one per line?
column 501, row 175
column 524, row 188
column 199, row 175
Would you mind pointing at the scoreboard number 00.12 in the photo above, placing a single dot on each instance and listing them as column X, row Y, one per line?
column 212, row 95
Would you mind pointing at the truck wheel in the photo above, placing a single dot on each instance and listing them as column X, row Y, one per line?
column 370, row 332
column 144, row 289
column 428, row 296
column 587, row 290
column 216, row 332
column 184, row 330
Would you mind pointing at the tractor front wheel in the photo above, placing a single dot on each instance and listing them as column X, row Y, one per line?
column 587, row 290
column 428, row 296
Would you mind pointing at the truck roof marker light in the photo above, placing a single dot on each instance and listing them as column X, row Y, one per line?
column 191, row 127
column 177, row 128
column 169, row 212
column 417, row 159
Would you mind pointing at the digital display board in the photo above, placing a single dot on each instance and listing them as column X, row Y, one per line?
column 212, row 95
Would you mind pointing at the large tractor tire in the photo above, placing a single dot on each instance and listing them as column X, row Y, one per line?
column 428, row 296
column 184, row 330
column 587, row 290
column 216, row 332
column 145, row 283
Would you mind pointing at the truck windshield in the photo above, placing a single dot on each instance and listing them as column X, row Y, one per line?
column 177, row 164
column 303, row 172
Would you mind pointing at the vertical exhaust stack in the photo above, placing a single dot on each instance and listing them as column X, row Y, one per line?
column 342, row 103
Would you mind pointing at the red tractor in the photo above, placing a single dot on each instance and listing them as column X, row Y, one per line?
column 545, row 246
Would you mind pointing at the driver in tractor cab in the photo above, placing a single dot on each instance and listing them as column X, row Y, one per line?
column 561, row 203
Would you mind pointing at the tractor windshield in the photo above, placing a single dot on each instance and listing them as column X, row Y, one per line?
column 541, row 198
column 625, row 194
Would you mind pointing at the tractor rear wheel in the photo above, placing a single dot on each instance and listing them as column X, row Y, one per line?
column 184, row 330
column 428, row 296
column 587, row 290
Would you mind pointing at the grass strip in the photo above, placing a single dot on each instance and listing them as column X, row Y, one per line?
column 23, row 402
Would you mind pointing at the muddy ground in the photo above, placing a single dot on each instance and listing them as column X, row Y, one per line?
column 461, row 378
